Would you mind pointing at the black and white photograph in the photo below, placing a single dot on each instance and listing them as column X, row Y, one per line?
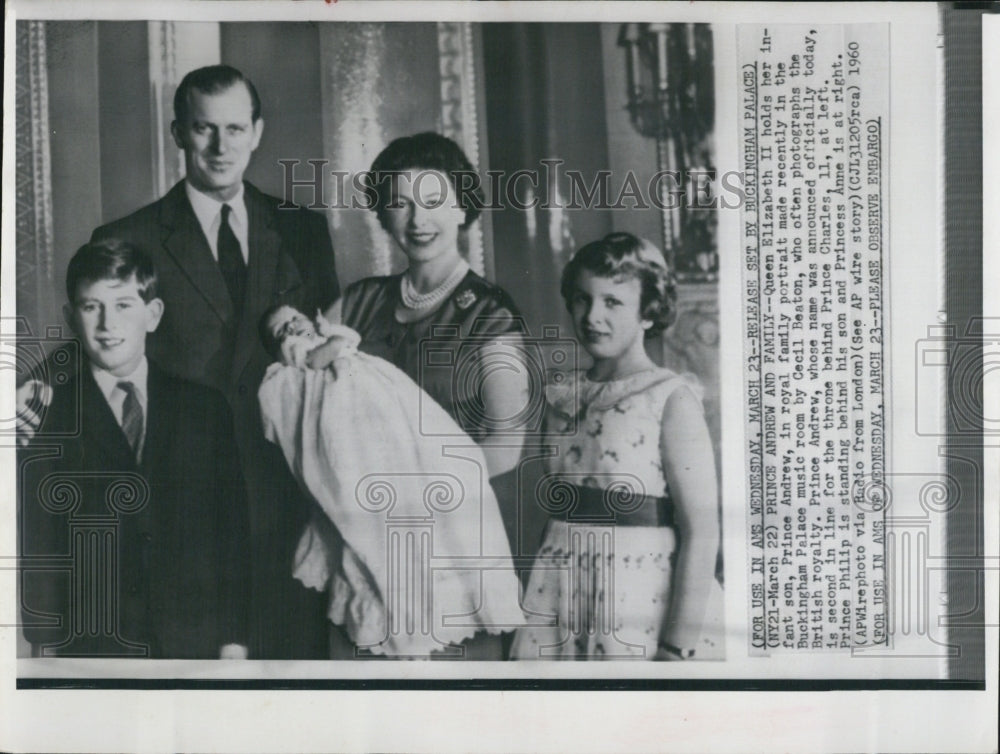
column 443, row 351
column 447, row 333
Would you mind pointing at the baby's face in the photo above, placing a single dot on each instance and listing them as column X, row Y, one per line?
column 287, row 322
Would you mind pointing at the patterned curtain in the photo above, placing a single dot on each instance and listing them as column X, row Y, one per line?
column 459, row 119
column 380, row 82
column 34, row 240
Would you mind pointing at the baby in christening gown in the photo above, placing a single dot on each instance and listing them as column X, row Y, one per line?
column 418, row 558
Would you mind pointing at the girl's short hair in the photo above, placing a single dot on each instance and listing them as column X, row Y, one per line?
column 622, row 255
column 424, row 151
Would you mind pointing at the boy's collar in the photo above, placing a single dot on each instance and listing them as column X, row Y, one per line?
column 107, row 382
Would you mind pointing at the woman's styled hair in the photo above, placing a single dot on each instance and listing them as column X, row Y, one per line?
column 424, row 151
column 110, row 259
column 622, row 256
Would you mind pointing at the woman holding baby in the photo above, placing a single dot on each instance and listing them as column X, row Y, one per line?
column 413, row 189
column 449, row 330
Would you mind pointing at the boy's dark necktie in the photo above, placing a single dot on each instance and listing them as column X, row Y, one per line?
column 234, row 269
column 132, row 419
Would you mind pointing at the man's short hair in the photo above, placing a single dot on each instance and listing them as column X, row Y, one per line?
column 111, row 259
column 212, row 79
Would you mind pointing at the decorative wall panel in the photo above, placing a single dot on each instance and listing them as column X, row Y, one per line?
column 33, row 188
column 459, row 119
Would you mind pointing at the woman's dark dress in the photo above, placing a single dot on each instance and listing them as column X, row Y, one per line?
column 442, row 353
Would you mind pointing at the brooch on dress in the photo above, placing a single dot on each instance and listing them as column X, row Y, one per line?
column 465, row 299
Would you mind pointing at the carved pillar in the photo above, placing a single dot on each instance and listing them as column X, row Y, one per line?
column 93, row 560
column 409, row 608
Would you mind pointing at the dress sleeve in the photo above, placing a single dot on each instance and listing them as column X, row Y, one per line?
column 335, row 314
column 494, row 314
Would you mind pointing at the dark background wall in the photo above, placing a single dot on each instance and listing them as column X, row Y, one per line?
column 75, row 125
column 282, row 59
column 544, row 101
column 126, row 144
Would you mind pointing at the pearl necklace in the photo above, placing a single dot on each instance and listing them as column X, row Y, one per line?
column 414, row 301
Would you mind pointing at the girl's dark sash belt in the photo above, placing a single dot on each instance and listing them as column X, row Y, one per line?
column 613, row 506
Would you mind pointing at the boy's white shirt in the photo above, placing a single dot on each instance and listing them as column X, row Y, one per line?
column 108, row 384
column 209, row 214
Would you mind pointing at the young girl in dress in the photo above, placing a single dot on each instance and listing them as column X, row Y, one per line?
column 628, row 558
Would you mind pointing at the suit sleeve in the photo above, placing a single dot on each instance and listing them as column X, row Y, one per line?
column 116, row 229
column 323, row 272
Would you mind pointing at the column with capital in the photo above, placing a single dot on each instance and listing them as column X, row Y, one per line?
column 95, row 580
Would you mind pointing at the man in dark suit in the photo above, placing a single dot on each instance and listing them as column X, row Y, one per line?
column 219, row 270
column 133, row 507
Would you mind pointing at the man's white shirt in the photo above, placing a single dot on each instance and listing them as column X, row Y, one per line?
column 209, row 214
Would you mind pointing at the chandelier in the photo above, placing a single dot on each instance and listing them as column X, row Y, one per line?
column 671, row 100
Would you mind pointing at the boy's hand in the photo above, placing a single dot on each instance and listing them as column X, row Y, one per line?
column 233, row 652
column 32, row 396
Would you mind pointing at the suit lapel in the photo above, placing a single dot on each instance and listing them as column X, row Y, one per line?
column 265, row 246
column 186, row 243
column 100, row 429
column 265, row 255
column 161, row 421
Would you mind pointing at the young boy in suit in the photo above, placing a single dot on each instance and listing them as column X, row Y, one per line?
column 133, row 506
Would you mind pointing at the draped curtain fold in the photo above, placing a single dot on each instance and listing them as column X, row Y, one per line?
column 379, row 82
column 544, row 103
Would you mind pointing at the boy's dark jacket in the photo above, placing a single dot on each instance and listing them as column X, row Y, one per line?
column 174, row 569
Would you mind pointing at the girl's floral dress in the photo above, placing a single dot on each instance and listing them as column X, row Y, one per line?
column 600, row 591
